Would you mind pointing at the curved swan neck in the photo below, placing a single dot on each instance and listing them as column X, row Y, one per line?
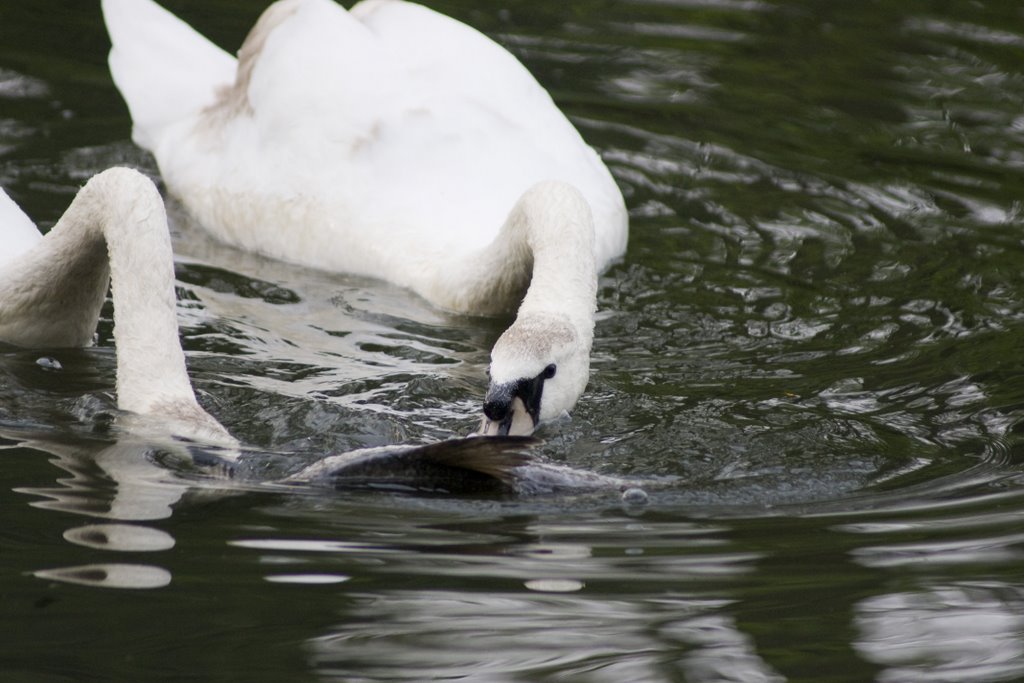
column 128, row 213
column 545, row 249
column 556, row 224
column 115, row 229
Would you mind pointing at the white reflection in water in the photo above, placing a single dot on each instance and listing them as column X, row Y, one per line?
column 554, row 585
column 142, row 490
column 966, row 551
column 555, row 551
column 123, row 537
column 613, row 639
column 307, row 579
column 956, row 632
column 724, row 654
column 109, row 481
column 307, row 546
column 14, row 85
column 113, row 575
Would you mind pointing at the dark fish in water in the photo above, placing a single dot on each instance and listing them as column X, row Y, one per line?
column 478, row 465
column 472, row 466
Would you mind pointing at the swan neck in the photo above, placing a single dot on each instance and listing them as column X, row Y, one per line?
column 553, row 224
column 542, row 261
column 124, row 210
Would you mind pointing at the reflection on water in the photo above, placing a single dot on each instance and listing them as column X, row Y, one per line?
column 817, row 330
column 549, row 589
column 129, row 487
column 111, row 481
column 124, row 537
column 955, row 632
column 306, row 579
column 526, row 636
column 131, row 576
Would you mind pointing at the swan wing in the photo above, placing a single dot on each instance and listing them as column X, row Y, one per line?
column 165, row 70
column 18, row 233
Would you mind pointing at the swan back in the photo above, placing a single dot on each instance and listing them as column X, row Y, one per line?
column 376, row 141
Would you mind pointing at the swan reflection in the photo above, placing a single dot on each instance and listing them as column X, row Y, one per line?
column 307, row 579
column 677, row 638
column 131, row 576
column 121, row 537
column 115, row 482
column 952, row 632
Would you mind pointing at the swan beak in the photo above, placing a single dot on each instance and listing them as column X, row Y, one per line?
column 517, row 422
column 513, row 408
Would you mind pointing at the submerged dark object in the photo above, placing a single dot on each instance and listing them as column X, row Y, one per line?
column 477, row 465
column 470, row 466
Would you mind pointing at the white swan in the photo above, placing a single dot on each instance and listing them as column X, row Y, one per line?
column 52, row 287
column 388, row 141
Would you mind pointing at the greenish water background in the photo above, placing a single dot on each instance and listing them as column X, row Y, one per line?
column 818, row 326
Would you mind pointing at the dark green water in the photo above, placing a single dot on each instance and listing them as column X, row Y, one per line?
column 819, row 326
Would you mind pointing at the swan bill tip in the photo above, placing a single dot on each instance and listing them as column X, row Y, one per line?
column 512, row 419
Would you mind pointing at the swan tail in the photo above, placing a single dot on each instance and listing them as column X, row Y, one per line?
column 165, row 70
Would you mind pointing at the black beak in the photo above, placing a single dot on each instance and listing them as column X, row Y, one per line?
column 500, row 402
column 503, row 400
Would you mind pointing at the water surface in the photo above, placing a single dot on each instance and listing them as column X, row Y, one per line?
column 818, row 327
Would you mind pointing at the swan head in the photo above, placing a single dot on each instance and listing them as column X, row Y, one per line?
column 539, row 369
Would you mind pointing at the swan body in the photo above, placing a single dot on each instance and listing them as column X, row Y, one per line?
column 52, row 288
column 388, row 141
column 393, row 142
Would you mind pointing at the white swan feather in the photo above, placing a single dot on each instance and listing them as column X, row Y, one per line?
column 19, row 231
